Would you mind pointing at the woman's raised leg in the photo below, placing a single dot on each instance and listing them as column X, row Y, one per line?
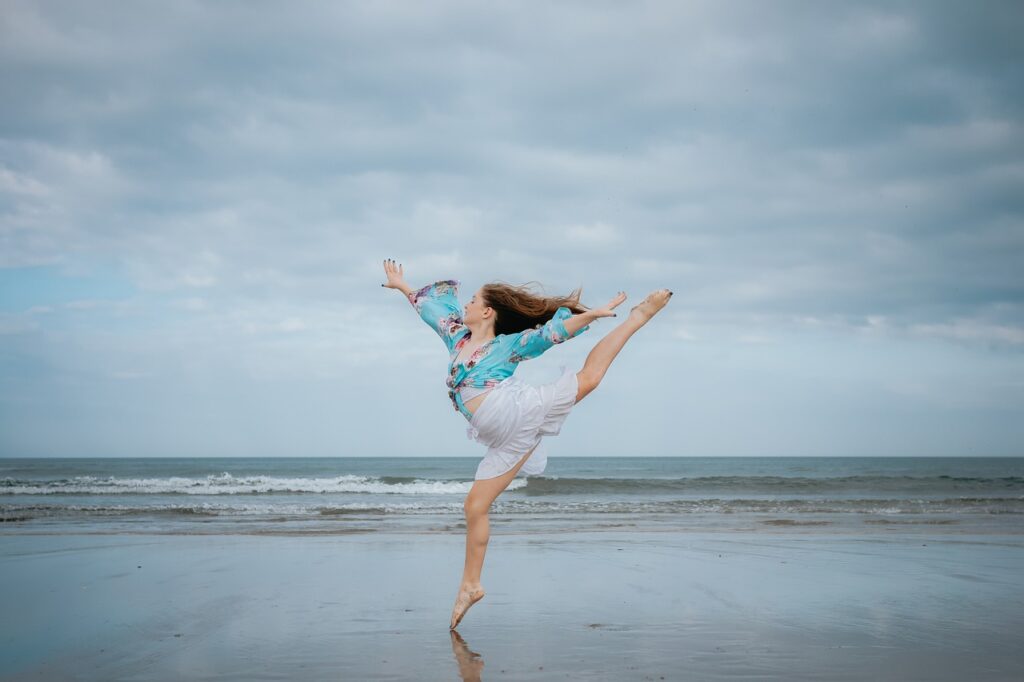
column 601, row 355
column 478, row 532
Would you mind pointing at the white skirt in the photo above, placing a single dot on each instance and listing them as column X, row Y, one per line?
column 514, row 418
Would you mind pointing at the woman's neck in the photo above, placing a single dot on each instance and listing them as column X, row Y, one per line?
column 481, row 333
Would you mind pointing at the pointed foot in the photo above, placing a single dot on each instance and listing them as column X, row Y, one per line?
column 467, row 597
column 647, row 308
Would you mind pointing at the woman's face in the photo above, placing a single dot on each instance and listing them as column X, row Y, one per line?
column 476, row 311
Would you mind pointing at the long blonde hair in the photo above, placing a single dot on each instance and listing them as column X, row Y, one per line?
column 519, row 309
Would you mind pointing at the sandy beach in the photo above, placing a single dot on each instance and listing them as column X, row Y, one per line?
column 599, row 605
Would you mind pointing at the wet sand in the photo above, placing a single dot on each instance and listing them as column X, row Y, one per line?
column 610, row 605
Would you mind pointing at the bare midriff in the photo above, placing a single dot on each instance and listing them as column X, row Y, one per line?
column 474, row 403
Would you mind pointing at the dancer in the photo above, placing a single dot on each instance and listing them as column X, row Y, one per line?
column 501, row 326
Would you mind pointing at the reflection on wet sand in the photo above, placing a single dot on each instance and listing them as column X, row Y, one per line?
column 470, row 663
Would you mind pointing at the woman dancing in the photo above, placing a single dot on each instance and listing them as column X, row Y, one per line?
column 502, row 326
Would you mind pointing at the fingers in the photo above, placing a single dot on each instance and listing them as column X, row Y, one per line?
column 394, row 273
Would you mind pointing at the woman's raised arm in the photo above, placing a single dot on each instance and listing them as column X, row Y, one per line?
column 437, row 303
column 562, row 326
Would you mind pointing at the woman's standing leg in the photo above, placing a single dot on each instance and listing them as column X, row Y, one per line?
column 478, row 532
column 601, row 355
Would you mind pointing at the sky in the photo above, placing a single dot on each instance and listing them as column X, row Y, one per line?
column 196, row 199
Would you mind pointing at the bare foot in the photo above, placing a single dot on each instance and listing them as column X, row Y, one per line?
column 645, row 309
column 468, row 595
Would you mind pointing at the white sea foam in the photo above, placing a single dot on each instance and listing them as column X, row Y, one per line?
column 228, row 484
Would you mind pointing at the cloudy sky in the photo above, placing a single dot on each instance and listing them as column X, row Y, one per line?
column 196, row 199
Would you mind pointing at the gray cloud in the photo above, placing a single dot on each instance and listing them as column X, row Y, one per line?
column 796, row 172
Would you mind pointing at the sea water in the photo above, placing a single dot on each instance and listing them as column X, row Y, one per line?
column 575, row 494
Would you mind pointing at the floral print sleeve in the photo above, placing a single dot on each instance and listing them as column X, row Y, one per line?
column 438, row 305
column 533, row 342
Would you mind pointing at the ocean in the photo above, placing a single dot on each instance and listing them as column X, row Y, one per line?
column 576, row 494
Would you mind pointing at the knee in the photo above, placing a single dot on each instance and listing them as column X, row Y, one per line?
column 588, row 381
column 475, row 508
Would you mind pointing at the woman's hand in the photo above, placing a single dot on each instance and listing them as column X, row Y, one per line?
column 607, row 311
column 580, row 320
column 396, row 278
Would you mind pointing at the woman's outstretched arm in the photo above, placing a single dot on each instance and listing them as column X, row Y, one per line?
column 560, row 328
column 437, row 304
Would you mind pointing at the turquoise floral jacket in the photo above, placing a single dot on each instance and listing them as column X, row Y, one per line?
column 492, row 362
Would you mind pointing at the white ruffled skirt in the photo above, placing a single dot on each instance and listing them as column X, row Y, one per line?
column 514, row 418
